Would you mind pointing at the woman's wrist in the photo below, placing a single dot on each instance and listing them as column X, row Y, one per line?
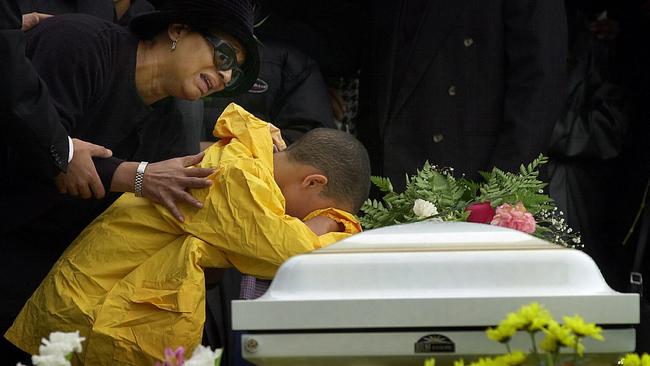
column 124, row 177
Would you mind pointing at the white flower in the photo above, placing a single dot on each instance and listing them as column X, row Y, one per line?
column 204, row 356
column 71, row 339
column 423, row 209
column 50, row 360
column 54, row 348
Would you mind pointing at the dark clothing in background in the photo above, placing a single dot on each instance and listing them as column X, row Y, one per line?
column 602, row 193
column 103, row 9
column 466, row 84
column 328, row 31
column 31, row 130
column 289, row 92
column 30, row 122
column 89, row 67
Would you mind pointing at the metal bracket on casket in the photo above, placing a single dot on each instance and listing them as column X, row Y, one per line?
column 400, row 294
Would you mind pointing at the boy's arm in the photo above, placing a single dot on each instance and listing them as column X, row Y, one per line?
column 243, row 216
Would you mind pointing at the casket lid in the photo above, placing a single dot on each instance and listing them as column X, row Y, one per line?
column 438, row 236
column 433, row 274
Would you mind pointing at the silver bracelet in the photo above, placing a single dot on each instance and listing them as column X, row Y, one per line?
column 139, row 176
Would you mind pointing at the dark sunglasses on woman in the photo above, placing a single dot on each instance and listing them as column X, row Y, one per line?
column 225, row 58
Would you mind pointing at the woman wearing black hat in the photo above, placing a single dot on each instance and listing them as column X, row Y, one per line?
column 102, row 79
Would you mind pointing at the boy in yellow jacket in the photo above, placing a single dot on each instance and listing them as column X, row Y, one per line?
column 133, row 282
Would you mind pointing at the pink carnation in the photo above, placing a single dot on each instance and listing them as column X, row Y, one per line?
column 516, row 217
column 173, row 357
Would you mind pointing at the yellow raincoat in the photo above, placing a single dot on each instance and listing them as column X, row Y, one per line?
column 132, row 283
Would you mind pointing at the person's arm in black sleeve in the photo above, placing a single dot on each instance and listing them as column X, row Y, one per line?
column 72, row 74
column 304, row 103
column 31, row 122
column 535, row 46
column 33, row 126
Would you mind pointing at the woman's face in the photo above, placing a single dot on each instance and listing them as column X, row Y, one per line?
column 193, row 70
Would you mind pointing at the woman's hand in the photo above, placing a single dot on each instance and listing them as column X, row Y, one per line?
column 166, row 182
column 30, row 20
column 81, row 178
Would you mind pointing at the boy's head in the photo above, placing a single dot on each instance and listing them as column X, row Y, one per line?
column 323, row 168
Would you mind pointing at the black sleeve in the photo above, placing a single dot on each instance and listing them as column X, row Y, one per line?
column 536, row 49
column 69, row 60
column 32, row 124
column 303, row 103
column 163, row 134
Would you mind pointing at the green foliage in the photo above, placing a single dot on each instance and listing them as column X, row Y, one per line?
column 505, row 187
column 452, row 196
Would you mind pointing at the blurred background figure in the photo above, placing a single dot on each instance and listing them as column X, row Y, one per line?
column 469, row 85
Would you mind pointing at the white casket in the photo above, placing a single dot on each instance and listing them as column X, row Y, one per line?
column 400, row 294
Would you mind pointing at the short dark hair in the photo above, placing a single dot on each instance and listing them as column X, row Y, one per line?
column 342, row 158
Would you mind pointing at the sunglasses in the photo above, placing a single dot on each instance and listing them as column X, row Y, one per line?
column 225, row 58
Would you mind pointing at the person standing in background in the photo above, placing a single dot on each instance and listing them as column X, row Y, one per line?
column 465, row 84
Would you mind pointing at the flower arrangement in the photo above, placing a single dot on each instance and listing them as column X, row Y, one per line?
column 58, row 348
column 513, row 200
column 534, row 319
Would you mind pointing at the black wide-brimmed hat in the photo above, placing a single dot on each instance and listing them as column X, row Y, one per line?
column 233, row 17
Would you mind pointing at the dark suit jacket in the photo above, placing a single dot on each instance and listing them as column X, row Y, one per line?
column 31, row 127
column 481, row 84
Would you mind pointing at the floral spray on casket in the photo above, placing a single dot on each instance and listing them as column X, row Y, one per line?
column 513, row 200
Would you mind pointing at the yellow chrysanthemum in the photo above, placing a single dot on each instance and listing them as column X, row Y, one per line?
column 549, row 344
column 514, row 320
column 582, row 329
column 515, row 358
column 502, row 333
column 561, row 334
column 631, row 359
column 645, row 360
column 430, row 362
column 535, row 316
column 579, row 348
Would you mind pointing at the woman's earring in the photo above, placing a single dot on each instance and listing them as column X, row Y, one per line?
column 173, row 47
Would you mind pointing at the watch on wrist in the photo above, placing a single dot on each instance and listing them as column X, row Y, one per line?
column 139, row 176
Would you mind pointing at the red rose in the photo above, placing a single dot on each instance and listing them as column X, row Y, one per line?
column 481, row 213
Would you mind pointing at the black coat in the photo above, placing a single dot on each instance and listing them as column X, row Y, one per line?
column 31, row 127
column 479, row 83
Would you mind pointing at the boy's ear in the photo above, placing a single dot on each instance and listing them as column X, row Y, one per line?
column 314, row 181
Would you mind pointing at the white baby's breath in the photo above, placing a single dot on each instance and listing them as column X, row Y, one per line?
column 423, row 208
